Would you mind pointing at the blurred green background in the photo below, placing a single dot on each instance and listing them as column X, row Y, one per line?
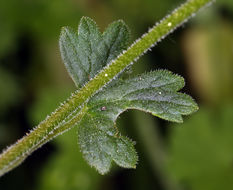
column 196, row 155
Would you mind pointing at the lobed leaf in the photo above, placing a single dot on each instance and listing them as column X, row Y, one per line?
column 101, row 144
column 87, row 51
column 154, row 92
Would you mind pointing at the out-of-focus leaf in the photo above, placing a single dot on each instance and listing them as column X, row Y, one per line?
column 201, row 152
column 209, row 53
column 9, row 89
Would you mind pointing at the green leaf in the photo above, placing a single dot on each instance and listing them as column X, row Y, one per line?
column 87, row 51
column 75, row 109
column 101, row 143
column 154, row 92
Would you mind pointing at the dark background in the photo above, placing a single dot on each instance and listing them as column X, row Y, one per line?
column 196, row 155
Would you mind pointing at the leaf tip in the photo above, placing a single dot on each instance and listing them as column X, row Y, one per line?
column 86, row 22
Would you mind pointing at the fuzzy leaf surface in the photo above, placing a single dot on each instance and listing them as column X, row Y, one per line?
column 87, row 51
column 154, row 92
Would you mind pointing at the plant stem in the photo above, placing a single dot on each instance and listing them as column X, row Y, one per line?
column 72, row 111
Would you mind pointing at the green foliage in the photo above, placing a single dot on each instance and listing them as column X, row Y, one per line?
column 76, row 109
column 201, row 150
column 154, row 92
column 85, row 53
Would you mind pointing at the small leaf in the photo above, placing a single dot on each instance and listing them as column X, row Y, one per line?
column 154, row 92
column 85, row 53
column 100, row 144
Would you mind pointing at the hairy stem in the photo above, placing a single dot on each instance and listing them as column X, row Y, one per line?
column 72, row 111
